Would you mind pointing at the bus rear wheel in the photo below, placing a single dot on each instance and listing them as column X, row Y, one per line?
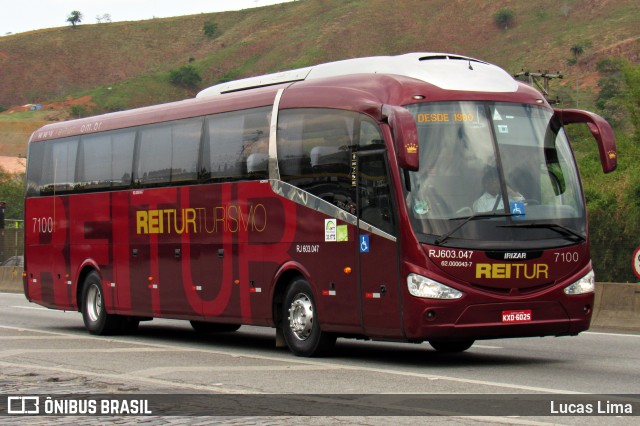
column 300, row 324
column 94, row 313
column 451, row 346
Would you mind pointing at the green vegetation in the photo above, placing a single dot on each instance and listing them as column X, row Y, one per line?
column 12, row 192
column 613, row 200
column 74, row 18
column 210, row 29
column 504, row 18
column 79, row 111
column 186, row 76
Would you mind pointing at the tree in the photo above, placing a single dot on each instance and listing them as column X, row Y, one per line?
column 187, row 76
column 576, row 50
column 504, row 18
column 79, row 111
column 12, row 192
column 74, row 18
column 103, row 18
column 210, row 29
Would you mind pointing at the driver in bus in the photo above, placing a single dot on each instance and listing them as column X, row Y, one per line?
column 491, row 198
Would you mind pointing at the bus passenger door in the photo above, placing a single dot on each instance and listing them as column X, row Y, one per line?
column 377, row 248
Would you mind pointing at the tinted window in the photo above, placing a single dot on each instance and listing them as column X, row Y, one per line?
column 235, row 147
column 52, row 167
column 185, row 148
column 34, row 168
column 375, row 192
column 106, row 160
column 315, row 148
column 168, row 152
column 238, row 145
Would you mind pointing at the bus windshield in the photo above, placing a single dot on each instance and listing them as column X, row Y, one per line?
column 494, row 175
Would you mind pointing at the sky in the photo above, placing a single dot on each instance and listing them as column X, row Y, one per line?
column 18, row 16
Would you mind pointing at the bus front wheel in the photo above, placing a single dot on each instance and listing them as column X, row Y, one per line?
column 300, row 324
column 95, row 316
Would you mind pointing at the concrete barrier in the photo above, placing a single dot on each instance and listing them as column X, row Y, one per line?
column 616, row 306
column 11, row 279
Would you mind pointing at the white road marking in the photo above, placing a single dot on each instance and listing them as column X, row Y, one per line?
column 611, row 334
column 325, row 364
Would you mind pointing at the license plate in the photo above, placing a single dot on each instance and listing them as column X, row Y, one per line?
column 517, row 316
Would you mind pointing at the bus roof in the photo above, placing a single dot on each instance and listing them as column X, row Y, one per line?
column 392, row 79
column 446, row 71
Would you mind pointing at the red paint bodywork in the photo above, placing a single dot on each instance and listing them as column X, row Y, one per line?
column 237, row 273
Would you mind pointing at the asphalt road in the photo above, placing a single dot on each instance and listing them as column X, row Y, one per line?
column 44, row 352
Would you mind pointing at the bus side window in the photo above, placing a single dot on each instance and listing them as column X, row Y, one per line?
column 59, row 166
column 169, row 153
column 238, row 145
column 314, row 153
column 35, row 169
column 375, row 194
column 255, row 143
column 154, row 159
column 103, row 160
column 370, row 134
column 185, row 149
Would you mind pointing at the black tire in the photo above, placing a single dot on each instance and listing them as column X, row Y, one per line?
column 300, row 325
column 95, row 316
column 212, row 327
column 451, row 346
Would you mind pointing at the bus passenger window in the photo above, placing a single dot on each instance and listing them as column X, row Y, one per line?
column 314, row 153
column 185, row 146
column 375, row 194
column 35, row 172
column 103, row 160
column 238, row 145
column 169, row 153
column 59, row 166
column 154, row 161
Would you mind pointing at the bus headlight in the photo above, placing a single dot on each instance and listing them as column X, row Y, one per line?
column 420, row 286
column 586, row 284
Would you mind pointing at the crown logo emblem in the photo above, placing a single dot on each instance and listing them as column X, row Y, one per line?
column 612, row 155
column 412, row 148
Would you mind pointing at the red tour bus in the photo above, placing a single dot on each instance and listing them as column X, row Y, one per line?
column 421, row 197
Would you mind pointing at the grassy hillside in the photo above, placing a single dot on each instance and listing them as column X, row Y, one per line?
column 52, row 64
column 127, row 64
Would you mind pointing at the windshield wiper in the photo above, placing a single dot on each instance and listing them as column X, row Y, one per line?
column 561, row 229
column 442, row 238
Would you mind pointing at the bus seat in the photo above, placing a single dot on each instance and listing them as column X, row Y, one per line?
column 325, row 155
column 257, row 163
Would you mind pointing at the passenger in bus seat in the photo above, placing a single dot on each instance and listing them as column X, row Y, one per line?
column 491, row 198
column 258, row 142
column 258, row 145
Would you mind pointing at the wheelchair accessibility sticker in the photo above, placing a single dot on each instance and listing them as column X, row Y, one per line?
column 364, row 244
column 517, row 209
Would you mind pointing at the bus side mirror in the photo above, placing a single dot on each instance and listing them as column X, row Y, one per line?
column 405, row 136
column 601, row 131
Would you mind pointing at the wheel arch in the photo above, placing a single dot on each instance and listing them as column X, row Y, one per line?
column 85, row 269
column 285, row 275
